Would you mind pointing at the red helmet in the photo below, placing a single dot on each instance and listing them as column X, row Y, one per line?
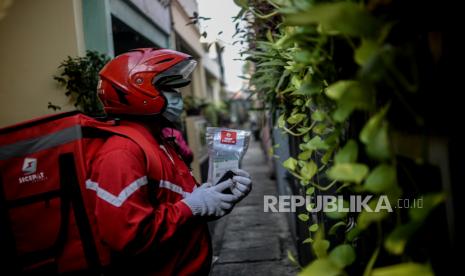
column 132, row 83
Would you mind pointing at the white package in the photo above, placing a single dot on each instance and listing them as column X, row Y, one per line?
column 226, row 148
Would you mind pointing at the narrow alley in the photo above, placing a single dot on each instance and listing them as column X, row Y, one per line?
column 249, row 241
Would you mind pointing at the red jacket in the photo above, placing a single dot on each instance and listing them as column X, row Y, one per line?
column 142, row 225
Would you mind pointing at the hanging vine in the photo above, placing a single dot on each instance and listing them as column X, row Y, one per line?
column 336, row 71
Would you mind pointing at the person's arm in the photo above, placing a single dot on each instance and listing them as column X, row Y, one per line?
column 126, row 219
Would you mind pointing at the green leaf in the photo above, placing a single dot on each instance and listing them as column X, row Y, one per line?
column 333, row 139
column 375, row 136
column 310, row 191
column 308, row 89
column 318, row 116
column 346, row 18
column 291, row 258
column 298, row 102
column 305, row 139
column 296, row 118
column 430, row 201
column 350, row 95
column 308, row 240
column 305, row 155
column 315, row 144
column 296, row 81
column 275, row 62
column 405, row 269
column 342, row 112
column 281, row 121
column 290, row 164
column 303, row 130
column 353, row 233
column 398, row 238
column 321, row 267
column 281, row 80
column 327, row 156
column 320, row 247
column 351, row 172
column 309, row 170
column 303, row 56
column 320, row 128
column 366, row 218
column 336, row 215
column 269, row 36
column 303, row 217
column 366, row 51
column 371, row 128
column 348, row 154
column 342, row 255
column 313, row 228
column 337, row 89
column 381, row 179
column 379, row 148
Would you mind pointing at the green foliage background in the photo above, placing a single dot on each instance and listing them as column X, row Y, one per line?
column 345, row 78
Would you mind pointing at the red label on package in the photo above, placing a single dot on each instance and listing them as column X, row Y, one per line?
column 228, row 137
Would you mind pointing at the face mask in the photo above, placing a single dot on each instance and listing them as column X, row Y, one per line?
column 174, row 106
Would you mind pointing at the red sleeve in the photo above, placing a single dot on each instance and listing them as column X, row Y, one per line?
column 126, row 219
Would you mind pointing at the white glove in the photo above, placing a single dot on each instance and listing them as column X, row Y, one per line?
column 209, row 200
column 242, row 183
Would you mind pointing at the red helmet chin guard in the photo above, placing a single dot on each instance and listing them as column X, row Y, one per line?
column 131, row 83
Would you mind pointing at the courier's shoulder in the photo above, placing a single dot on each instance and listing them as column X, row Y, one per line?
column 117, row 143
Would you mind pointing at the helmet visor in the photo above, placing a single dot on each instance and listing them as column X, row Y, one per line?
column 176, row 76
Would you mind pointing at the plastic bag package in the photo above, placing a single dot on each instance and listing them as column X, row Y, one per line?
column 226, row 148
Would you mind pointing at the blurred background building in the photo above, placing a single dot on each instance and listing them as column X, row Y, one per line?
column 36, row 36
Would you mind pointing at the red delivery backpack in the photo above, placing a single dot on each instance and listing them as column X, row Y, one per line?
column 44, row 164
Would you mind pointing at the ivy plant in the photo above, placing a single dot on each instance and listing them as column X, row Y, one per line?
column 335, row 70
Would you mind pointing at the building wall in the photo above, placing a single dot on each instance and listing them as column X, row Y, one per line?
column 188, row 33
column 36, row 36
column 149, row 18
column 190, row 36
column 157, row 11
column 98, row 33
column 212, row 70
column 190, row 6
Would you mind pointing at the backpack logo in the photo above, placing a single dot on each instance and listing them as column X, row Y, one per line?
column 228, row 137
column 30, row 172
column 29, row 165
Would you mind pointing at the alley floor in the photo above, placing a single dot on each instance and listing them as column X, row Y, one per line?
column 249, row 241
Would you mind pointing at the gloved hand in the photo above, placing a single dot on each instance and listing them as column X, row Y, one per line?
column 242, row 183
column 208, row 200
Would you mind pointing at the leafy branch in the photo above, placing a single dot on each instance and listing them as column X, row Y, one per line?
column 321, row 65
column 80, row 77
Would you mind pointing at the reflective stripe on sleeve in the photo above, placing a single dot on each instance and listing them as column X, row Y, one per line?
column 117, row 201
